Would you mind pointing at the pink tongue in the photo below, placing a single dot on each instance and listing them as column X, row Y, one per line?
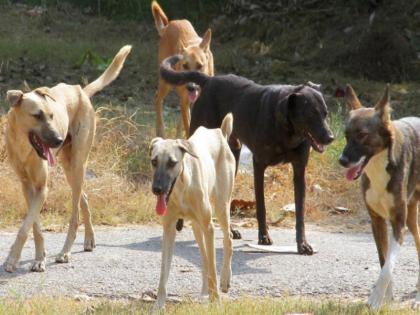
column 48, row 154
column 193, row 96
column 161, row 204
column 352, row 172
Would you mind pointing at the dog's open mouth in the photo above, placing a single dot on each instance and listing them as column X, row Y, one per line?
column 42, row 149
column 315, row 144
column 193, row 95
column 355, row 170
column 161, row 204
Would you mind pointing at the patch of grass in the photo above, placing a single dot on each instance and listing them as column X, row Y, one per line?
column 241, row 306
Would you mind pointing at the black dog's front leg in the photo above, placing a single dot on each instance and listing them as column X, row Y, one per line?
column 300, row 188
column 263, row 236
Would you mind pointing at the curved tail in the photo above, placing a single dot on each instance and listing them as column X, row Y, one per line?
column 227, row 125
column 110, row 74
column 160, row 17
column 180, row 77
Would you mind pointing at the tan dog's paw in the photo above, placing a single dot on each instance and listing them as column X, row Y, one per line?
column 38, row 266
column 225, row 280
column 10, row 265
column 62, row 258
column 90, row 243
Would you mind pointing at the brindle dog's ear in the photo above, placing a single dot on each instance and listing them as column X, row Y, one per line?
column 187, row 147
column 152, row 143
column 205, row 43
column 351, row 99
column 383, row 107
column 14, row 97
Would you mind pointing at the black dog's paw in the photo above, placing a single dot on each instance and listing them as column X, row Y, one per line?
column 179, row 225
column 305, row 249
column 236, row 235
column 264, row 239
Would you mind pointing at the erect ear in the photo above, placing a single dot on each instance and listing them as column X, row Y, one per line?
column 383, row 107
column 14, row 97
column 314, row 86
column 187, row 147
column 152, row 143
column 44, row 91
column 205, row 43
column 351, row 99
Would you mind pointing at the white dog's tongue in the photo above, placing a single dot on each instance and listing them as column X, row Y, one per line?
column 161, row 204
column 48, row 154
column 192, row 96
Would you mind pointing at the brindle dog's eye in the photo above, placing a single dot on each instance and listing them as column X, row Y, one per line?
column 361, row 136
column 38, row 116
column 171, row 163
column 186, row 66
column 154, row 162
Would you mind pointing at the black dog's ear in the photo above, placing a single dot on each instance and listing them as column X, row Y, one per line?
column 187, row 147
column 286, row 108
column 315, row 86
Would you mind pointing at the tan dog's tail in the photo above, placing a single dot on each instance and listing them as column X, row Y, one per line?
column 110, row 74
column 160, row 17
column 227, row 125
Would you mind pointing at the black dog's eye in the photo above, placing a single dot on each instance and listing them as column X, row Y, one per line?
column 186, row 66
column 154, row 162
column 171, row 163
column 38, row 116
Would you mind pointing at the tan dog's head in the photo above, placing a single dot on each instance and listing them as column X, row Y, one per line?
column 197, row 58
column 35, row 118
column 166, row 159
column 368, row 131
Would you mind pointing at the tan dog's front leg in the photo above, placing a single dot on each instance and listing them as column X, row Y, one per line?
column 36, row 200
column 199, row 237
column 169, row 233
column 211, row 259
column 185, row 110
column 40, row 255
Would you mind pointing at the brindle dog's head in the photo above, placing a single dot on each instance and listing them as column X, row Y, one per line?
column 197, row 58
column 35, row 117
column 368, row 131
column 166, row 158
column 307, row 113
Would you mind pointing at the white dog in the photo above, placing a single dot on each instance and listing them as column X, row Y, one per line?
column 195, row 178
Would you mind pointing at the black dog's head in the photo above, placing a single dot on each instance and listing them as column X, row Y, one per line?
column 307, row 113
column 368, row 131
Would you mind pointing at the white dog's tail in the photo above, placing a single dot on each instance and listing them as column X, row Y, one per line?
column 110, row 74
column 160, row 17
column 227, row 125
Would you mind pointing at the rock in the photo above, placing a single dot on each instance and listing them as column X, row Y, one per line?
column 317, row 189
column 339, row 209
column 289, row 208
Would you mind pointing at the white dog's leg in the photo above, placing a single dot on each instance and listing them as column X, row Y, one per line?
column 211, row 258
column 377, row 296
column 199, row 237
column 226, row 273
column 39, row 263
column 169, row 233
column 36, row 201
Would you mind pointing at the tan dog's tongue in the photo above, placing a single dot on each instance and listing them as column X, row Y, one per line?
column 161, row 204
column 352, row 172
column 48, row 154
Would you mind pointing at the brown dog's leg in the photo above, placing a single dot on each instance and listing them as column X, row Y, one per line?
column 380, row 235
column 235, row 146
column 413, row 227
column 185, row 109
column 263, row 236
column 161, row 93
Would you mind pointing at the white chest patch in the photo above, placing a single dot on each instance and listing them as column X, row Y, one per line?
column 377, row 197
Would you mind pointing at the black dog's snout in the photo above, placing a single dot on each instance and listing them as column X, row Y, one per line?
column 157, row 190
column 330, row 138
column 191, row 87
column 343, row 160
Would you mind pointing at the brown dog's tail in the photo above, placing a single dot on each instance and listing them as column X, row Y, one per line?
column 110, row 74
column 160, row 17
column 227, row 125
column 180, row 77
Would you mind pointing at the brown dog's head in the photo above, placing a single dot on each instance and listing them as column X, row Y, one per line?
column 368, row 131
column 166, row 159
column 307, row 112
column 35, row 117
column 197, row 58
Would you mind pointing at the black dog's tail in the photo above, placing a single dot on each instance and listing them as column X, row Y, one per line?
column 180, row 77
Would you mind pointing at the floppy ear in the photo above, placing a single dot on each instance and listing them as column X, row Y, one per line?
column 314, row 86
column 285, row 109
column 152, row 143
column 14, row 97
column 205, row 43
column 44, row 91
column 383, row 108
column 186, row 147
column 351, row 99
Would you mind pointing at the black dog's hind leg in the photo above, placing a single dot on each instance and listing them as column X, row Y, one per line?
column 235, row 147
column 179, row 225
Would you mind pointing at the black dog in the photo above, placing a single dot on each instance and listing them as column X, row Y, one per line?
column 279, row 124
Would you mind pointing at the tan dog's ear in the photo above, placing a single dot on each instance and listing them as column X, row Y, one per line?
column 44, row 91
column 187, row 147
column 205, row 43
column 14, row 97
column 383, row 107
column 351, row 99
column 152, row 143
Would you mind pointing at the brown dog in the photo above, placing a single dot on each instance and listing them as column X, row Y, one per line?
column 386, row 154
column 179, row 37
column 42, row 124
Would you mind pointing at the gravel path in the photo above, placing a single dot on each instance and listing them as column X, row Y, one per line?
column 126, row 263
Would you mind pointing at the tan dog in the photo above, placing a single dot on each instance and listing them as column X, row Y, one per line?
column 179, row 37
column 196, row 185
column 42, row 124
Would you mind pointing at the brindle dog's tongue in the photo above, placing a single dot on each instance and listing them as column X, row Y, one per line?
column 48, row 154
column 161, row 204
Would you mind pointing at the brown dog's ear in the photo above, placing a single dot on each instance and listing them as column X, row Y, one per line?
column 14, row 97
column 383, row 107
column 152, row 143
column 205, row 43
column 351, row 99
column 187, row 147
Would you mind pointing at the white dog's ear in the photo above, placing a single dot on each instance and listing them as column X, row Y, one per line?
column 14, row 97
column 205, row 43
column 187, row 147
column 152, row 143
